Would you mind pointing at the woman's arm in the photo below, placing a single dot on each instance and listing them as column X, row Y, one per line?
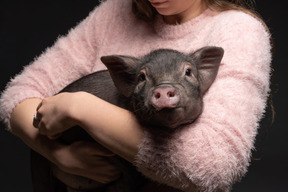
column 116, row 128
column 21, row 123
column 113, row 127
column 80, row 158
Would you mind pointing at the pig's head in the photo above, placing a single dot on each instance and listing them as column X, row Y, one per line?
column 165, row 87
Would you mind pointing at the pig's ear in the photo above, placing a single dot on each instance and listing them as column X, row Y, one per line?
column 122, row 70
column 208, row 61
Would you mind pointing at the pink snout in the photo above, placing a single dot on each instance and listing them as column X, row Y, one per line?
column 165, row 97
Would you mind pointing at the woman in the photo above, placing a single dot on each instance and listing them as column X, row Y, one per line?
column 208, row 155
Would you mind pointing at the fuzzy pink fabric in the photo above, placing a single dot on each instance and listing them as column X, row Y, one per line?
column 212, row 153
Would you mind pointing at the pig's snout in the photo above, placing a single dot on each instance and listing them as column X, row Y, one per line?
column 165, row 97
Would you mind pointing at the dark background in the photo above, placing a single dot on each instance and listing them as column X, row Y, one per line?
column 26, row 29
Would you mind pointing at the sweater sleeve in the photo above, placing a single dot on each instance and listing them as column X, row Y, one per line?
column 214, row 152
column 71, row 57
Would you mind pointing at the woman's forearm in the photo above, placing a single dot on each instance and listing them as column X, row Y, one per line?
column 22, row 117
column 80, row 158
column 113, row 127
column 21, row 126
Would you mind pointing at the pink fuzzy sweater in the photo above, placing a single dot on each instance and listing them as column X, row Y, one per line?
column 212, row 153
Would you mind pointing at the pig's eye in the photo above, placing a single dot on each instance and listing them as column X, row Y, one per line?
column 188, row 72
column 142, row 77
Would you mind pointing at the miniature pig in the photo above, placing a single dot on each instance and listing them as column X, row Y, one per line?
column 164, row 89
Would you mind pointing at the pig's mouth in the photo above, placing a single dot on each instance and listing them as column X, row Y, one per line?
column 172, row 117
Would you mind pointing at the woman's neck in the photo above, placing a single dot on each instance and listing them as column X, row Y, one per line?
column 186, row 15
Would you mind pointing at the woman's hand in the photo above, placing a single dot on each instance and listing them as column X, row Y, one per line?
column 54, row 114
column 87, row 159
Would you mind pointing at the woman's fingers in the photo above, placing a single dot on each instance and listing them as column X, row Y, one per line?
column 36, row 120
column 87, row 159
column 37, row 116
column 52, row 115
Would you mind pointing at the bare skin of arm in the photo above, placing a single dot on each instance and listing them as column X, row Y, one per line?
column 113, row 127
column 78, row 158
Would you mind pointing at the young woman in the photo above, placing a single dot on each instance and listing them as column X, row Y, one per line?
column 208, row 155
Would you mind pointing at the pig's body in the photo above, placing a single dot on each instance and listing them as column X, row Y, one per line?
column 164, row 89
column 101, row 85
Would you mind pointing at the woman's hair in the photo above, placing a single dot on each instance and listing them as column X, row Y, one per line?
column 145, row 11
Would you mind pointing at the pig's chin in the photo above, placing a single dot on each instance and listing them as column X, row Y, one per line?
column 172, row 117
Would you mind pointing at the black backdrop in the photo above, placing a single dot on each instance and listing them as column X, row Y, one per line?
column 26, row 29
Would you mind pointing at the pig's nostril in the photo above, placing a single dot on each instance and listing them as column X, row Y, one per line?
column 170, row 94
column 165, row 97
column 157, row 95
column 162, row 93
